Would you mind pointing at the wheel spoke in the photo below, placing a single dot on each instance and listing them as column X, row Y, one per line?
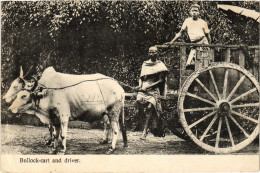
column 246, row 105
column 243, row 116
column 229, row 131
column 235, row 88
column 206, row 89
column 200, row 98
column 243, row 95
column 219, row 130
column 214, row 83
column 225, row 84
column 199, row 109
column 210, row 125
column 202, row 119
column 241, row 128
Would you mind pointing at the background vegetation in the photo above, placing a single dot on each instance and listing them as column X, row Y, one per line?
column 105, row 37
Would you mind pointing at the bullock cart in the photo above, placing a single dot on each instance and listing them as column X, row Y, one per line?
column 217, row 102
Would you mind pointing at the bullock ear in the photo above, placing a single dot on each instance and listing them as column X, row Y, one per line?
column 21, row 72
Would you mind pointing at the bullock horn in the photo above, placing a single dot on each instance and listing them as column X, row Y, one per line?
column 21, row 72
column 28, row 72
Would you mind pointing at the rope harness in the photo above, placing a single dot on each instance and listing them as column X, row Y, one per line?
column 102, row 95
column 36, row 96
column 121, row 83
column 93, row 80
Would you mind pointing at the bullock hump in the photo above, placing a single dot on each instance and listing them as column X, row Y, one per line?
column 47, row 74
column 51, row 78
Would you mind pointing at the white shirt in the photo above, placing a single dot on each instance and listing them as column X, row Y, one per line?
column 195, row 28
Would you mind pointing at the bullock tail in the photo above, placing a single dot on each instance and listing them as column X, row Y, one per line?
column 122, row 123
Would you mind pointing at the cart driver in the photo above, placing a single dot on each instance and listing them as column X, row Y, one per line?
column 152, row 85
column 197, row 30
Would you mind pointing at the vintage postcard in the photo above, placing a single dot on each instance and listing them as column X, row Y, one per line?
column 130, row 86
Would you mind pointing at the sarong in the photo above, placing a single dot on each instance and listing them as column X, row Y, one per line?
column 151, row 97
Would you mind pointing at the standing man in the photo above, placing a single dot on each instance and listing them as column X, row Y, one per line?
column 197, row 29
column 152, row 85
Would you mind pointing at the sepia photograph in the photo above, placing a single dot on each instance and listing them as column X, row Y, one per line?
column 130, row 86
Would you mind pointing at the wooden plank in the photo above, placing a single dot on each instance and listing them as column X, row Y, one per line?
column 241, row 59
column 205, row 45
column 183, row 60
column 212, row 59
column 225, row 87
column 256, row 64
column 212, row 54
column 241, row 62
column 229, row 131
column 227, row 55
column 219, row 130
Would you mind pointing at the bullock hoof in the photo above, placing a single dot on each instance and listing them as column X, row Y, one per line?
column 143, row 138
column 62, row 152
column 48, row 143
column 103, row 142
column 125, row 145
column 51, row 144
column 110, row 151
column 53, row 151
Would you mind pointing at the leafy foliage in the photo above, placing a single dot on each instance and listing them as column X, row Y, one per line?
column 108, row 37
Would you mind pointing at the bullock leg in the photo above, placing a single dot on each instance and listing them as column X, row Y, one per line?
column 64, row 130
column 114, row 117
column 115, row 131
column 148, row 116
column 123, row 127
column 106, row 129
column 50, row 142
column 56, row 140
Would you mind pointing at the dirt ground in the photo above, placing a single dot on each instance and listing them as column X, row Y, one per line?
column 16, row 139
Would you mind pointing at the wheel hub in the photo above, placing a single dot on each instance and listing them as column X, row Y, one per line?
column 224, row 107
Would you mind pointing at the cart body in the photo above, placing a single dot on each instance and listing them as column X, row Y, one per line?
column 218, row 101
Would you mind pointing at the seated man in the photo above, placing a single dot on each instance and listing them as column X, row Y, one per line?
column 152, row 86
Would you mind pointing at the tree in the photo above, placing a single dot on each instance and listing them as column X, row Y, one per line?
column 109, row 37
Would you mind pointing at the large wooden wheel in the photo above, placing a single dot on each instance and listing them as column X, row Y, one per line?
column 219, row 107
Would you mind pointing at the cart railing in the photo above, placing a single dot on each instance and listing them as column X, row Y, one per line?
column 245, row 56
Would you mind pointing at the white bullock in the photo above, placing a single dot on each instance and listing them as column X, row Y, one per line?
column 20, row 84
column 67, row 97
